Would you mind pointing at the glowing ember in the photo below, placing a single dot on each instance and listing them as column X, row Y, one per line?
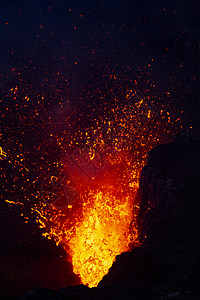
column 103, row 234
column 102, row 223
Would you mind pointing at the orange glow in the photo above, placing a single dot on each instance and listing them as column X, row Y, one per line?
column 102, row 223
column 101, row 235
column 2, row 153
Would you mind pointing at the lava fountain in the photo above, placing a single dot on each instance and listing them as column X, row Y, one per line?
column 102, row 221
column 103, row 234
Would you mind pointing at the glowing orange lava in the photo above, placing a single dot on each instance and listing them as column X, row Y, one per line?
column 102, row 223
column 103, row 234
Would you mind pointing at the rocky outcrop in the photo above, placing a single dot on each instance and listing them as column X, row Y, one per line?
column 169, row 221
column 168, row 182
column 167, row 265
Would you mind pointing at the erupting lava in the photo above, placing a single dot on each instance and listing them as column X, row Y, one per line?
column 102, row 222
column 103, row 234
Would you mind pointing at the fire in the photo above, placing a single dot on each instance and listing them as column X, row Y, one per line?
column 108, row 210
column 100, row 228
column 102, row 222
column 101, row 235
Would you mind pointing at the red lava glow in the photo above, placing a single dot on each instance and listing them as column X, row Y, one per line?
column 101, row 235
column 102, row 222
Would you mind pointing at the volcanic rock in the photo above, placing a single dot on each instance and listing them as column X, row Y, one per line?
column 168, row 261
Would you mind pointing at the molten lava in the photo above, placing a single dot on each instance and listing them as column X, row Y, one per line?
column 101, row 235
column 102, row 222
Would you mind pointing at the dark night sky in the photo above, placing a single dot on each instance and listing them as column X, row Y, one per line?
column 74, row 58
column 71, row 49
